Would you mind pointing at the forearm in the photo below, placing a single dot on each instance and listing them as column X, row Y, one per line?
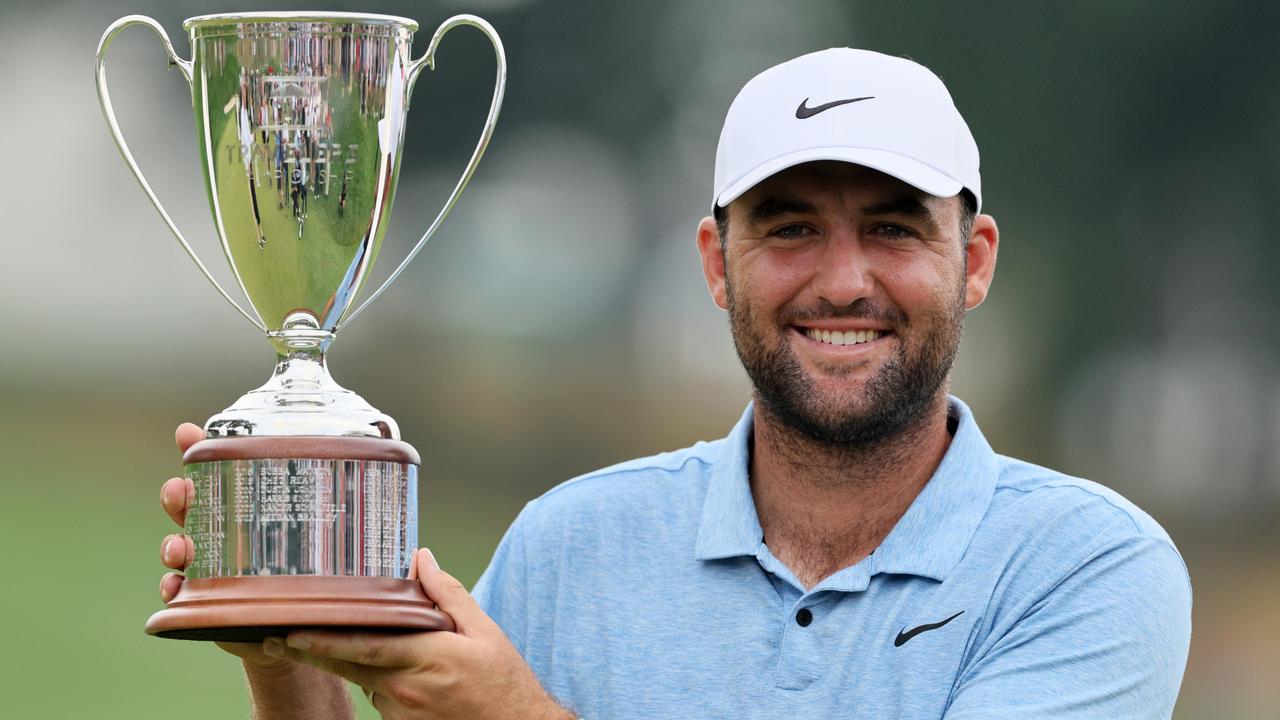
column 297, row 691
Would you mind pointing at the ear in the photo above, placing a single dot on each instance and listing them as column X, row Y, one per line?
column 981, row 251
column 712, row 261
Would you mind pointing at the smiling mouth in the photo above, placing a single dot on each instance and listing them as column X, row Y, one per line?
column 838, row 338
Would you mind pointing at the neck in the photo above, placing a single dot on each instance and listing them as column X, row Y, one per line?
column 826, row 506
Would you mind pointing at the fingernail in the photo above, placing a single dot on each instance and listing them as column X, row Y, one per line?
column 165, row 551
column 162, row 597
column 431, row 560
column 273, row 646
column 300, row 642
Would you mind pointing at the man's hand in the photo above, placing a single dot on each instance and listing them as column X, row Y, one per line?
column 472, row 673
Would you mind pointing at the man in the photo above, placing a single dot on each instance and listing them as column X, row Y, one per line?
column 853, row 548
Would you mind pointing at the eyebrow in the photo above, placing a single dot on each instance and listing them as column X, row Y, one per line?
column 906, row 205
column 775, row 207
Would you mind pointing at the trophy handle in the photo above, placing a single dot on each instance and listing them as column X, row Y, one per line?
column 428, row 60
column 104, row 98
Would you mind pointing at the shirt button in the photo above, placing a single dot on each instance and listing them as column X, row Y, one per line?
column 804, row 617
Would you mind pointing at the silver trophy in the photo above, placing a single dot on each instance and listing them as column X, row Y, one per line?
column 305, row 507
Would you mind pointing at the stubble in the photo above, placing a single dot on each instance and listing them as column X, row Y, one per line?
column 896, row 399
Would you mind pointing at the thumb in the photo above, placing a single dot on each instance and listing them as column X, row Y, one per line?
column 450, row 595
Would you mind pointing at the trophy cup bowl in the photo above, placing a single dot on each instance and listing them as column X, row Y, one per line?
column 305, row 505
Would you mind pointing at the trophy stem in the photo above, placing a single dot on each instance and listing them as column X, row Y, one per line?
column 298, row 377
column 301, row 377
column 300, row 397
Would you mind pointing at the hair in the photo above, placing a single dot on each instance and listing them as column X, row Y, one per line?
column 968, row 211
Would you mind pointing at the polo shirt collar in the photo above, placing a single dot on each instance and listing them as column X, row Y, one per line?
column 729, row 526
column 928, row 540
column 932, row 536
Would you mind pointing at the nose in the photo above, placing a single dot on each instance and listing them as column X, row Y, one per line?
column 844, row 275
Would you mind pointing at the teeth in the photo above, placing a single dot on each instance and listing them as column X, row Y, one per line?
column 835, row 337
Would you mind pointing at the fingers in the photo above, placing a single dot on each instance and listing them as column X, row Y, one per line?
column 169, row 585
column 371, row 649
column 176, row 495
column 451, row 596
column 176, row 551
column 361, row 675
column 187, row 435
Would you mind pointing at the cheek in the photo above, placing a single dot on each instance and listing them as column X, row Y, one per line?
column 920, row 283
column 770, row 279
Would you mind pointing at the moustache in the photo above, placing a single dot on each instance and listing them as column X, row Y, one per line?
column 861, row 309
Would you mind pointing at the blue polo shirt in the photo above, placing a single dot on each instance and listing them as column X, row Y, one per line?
column 1007, row 590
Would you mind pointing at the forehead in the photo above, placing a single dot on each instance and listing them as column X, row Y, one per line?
column 824, row 183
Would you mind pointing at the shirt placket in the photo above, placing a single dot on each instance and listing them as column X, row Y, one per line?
column 799, row 658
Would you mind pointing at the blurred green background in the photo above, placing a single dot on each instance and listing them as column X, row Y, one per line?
column 558, row 322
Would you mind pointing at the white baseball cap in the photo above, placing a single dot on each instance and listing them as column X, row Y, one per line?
column 882, row 112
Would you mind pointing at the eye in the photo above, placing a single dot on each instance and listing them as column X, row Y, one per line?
column 892, row 231
column 792, row 231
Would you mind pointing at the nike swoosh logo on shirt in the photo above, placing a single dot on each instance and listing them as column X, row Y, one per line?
column 904, row 635
column 804, row 111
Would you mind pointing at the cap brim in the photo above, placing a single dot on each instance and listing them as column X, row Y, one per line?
column 908, row 170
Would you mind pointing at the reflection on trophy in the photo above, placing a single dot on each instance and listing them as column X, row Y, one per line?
column 305, row 507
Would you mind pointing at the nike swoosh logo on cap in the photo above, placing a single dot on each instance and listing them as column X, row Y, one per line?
column 804, row 111
column 904, row 635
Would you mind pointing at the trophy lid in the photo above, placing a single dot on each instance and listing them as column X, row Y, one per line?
column 220, row 19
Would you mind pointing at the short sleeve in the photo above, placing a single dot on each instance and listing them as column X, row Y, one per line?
column 1109, row 641
column 502, row 590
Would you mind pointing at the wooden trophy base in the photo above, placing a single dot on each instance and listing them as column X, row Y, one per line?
column 238, row 593
column 249, row 609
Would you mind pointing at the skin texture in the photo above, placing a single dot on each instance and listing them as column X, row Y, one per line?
column 474, row 672
column 845, row 437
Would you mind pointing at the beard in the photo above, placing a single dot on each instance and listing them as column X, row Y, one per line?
column 897, row 397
